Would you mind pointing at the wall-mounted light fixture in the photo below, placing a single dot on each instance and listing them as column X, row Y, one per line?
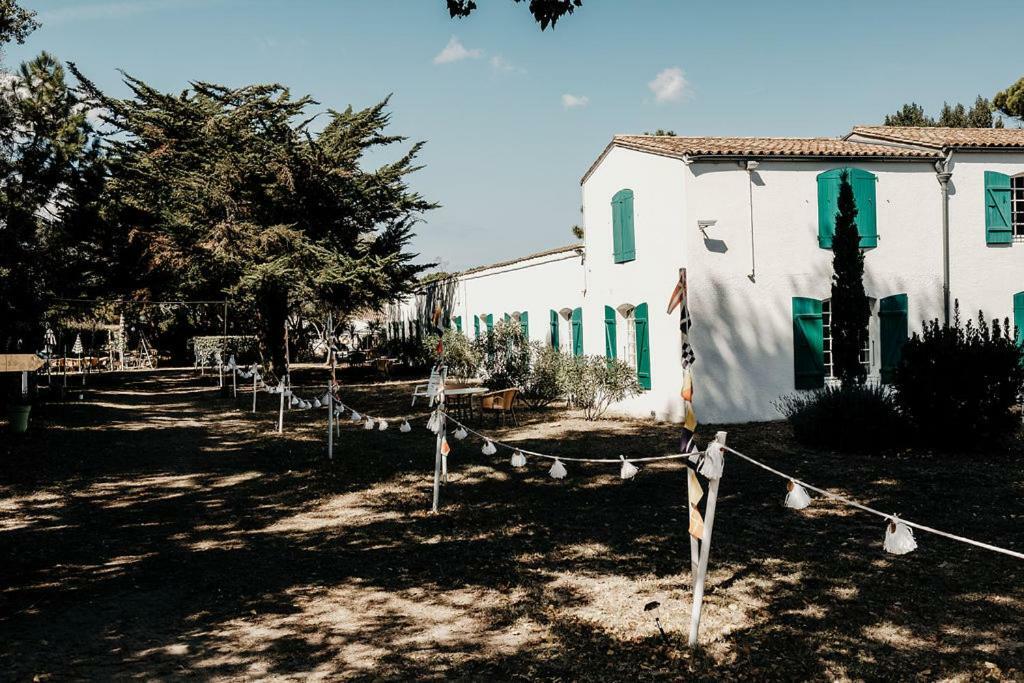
column 704, row 223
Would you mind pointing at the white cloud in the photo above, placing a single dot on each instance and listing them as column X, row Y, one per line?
column 499, row 63
column 455, row 51
column 669, row 85
column 574, row 101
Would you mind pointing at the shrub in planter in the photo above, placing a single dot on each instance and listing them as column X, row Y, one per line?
column 504, row 356
column 544, row 382
column 462, row 359
column 594, row 383
column 958, row 384
column 853, row 417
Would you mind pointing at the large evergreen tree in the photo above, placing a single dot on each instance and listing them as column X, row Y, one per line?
column 850, row 310
column 231, row 192
column 44, row 157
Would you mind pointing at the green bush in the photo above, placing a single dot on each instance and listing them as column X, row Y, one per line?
column 504, row 356
column 544, row 383
column 853, row 417
column 458, row 354
column 957, row 384
column 593, row 383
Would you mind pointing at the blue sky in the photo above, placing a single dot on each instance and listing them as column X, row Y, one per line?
column 513, row 116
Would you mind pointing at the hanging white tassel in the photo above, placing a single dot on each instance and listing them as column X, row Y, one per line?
column 405, row 427
column 316, row 403
column 797, row 497
column 629, row 470
column 557, row 470
column 489, row 449
column 899, row 538
column 382, row 425
column 460, row 433
column 356, row 417
column 231, row 362
column 714, row 461
column 368, row 424
column 295, row 401
column 434, row 423
column 518, row 459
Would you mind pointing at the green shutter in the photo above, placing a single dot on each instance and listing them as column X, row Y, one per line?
column 577, row 332
column 828, row 206
column 864, row 184
column 1018, row 316
column 476, row 326
column 609, row 332
column 507, row 318
column 808, row 344
column 489, row 321
column 524, row 323
column 643, row 346
column 554, row 329
column 893, row 329
column 998, row 228
column 458, row 323
column 623, row 241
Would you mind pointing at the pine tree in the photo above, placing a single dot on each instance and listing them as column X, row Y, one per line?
column 850, row 310
column 231, row 193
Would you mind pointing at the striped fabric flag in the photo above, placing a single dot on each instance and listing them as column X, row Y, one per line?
column 687, row 357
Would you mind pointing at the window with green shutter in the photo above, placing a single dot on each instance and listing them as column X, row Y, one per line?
column 524, row 324
column 507, row 318
column 863, row 184
column 609, row 332
column 577, row 332
column 643, row 346
column 808, row 344
column 998, row 202
column 476, row 326
column 893, row 330
column 623, row 241
column 489, row 321
column 554, row 329
column 458, row 323
column 1018, row 316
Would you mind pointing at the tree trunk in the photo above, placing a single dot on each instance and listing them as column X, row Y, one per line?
column 273, row 307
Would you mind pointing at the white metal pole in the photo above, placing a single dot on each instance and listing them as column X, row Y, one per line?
column 280, row 414
column 441, row 435
column 330, row 422
column 255, row 379
column 705, row 551
column 234, row 382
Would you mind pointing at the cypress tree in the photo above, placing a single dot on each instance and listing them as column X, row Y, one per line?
column 850, row 310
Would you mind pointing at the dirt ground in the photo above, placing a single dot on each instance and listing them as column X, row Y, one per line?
column 157, row 530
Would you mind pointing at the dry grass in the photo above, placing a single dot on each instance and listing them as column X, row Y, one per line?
column 157, row 530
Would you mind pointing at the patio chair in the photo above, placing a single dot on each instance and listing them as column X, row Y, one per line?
column 500, row 403
column 429, row 390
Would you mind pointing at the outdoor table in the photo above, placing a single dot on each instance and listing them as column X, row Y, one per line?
column 462, row 405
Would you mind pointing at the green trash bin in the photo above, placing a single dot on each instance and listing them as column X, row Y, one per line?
column 18, row 415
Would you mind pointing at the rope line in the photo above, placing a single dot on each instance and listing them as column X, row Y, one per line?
column 870, row 510
column 654, row 458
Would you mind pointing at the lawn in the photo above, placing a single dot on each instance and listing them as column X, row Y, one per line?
column 156, row 529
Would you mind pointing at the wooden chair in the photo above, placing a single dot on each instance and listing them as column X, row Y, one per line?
column 500, row 403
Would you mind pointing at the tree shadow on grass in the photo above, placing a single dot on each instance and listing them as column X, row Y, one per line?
column 192, row 541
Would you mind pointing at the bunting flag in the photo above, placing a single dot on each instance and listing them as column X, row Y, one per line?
column 679, row 300
column 696, row 493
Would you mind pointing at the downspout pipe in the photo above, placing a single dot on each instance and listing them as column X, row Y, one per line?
column 750, row 166
column 943, row 174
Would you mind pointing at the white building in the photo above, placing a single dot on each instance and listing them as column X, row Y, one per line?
column 941, row 216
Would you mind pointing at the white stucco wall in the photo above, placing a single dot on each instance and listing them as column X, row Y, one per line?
column 743, row 329
column 982, row 277
column 658, row 221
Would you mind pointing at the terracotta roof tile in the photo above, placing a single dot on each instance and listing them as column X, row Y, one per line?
column 944, row 138
column 762, row 147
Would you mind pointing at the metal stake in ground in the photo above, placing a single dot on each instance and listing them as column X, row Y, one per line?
column 705, row 551
column 441, row 436
column 330, row 421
